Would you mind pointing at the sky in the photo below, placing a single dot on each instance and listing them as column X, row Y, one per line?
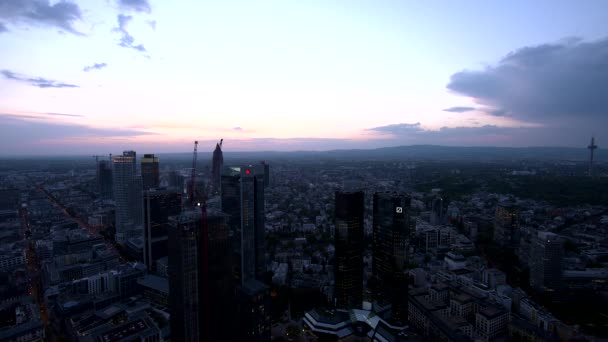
column 102, row 76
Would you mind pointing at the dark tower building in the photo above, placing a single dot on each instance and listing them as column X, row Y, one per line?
column 437, row 216
column 104, row 179
column 348, row 269
column 127, row 191
column 201, row 296
column 506, row 225
column 266, row 173
column 216, row 167
column 158, row 207
column 243, row 199
column 592, row 147
column 391, row 231
column 547, row 252
column 149, row 171
column 253, row 312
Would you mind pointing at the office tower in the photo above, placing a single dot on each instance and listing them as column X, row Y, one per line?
column 242, row 198
column 104, row 179
column 437, row 211
column 391, row 230
column 266, row 173
column 546, row 261
column 177, row 181
column 127, row 196
column 201, row 298
column 253, row 312
column 158, row 205
column 349, row 206
column 216, row 167
column 134, row 160
column 506, row 225
column 149, row 171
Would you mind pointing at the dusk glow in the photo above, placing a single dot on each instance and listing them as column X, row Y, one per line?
column 286, row 75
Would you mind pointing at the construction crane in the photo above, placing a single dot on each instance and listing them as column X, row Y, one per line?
column 192, row 185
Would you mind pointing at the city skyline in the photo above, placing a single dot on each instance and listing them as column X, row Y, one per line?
column 82, row 78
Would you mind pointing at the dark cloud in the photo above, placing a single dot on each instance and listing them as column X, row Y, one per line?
column 126, row 40
column 550, row 84
column 459, row 109
column 135, row 5
column 398, row 128
column 237, row 129
column 97, row 66
column 3, row 28
column 36, row 81
column 62, row 14
column 18, row 128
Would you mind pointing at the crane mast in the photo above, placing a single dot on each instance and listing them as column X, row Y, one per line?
column 192, row 187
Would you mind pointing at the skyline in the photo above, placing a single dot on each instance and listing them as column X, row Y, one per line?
column 285, row 76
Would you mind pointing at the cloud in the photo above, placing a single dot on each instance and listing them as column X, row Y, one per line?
column 61, row 114
column 554, row 84
column 126, row 40
column 97, row 66
column 37, row 81
column 62, row 14
column 152, row 24
column 23, row 129
column 459, row 109
column 135, row 5
column 3, row 27
column 398, row 128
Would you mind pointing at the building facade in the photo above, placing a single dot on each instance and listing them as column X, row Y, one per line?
column 150, row 175
column 349, row 211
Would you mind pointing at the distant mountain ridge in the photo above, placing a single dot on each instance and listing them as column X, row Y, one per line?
column 422, row 152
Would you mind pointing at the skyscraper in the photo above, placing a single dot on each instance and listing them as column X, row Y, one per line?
column 546, row 261
column 104, row 179
column 201, row 296
column 348, row 236
column 266, row 173
column 253, row 312
column 128, row 198
column 158, row 207
column 217, row 164
column 391, row 230
column 506, row 225
column 437, row 216
column 149, row 171
column 243, row 199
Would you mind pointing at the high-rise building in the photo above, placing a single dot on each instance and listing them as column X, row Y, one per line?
column 217, row 164
column 243, row 199
column 266, row 173
column 348, row 292
column 127, row 191
column 149, row 171
column 253, row 312
column 202, row 292
column 134, row 160
column 391, row 231
column 437, row 216
column 547, row 252
column 104, row 179
column 158, row 206
column 506, row 225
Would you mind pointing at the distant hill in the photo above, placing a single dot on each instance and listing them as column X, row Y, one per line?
column 418, row 152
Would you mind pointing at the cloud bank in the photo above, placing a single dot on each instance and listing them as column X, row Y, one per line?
column 61, row 14
column 36, row 81
column 127, row 41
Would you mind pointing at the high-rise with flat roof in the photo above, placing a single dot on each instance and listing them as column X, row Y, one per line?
column 391, row 231
column 547, row 253
column 104, row 179
column 158, row 206
column 202, row 292
column 150, row 171
column 243, row 199
column 348, row 292
column 127, row 191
